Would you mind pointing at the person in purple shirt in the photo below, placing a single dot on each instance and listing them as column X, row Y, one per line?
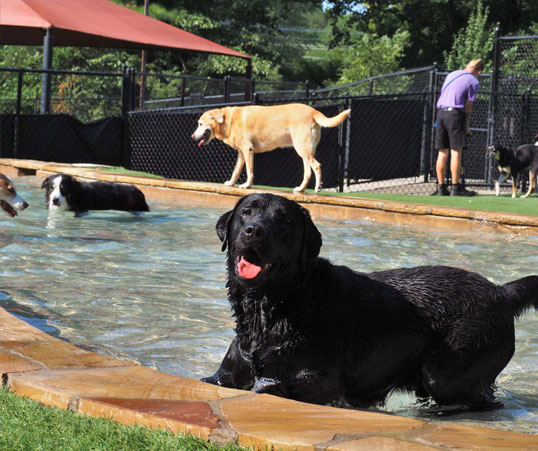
column 453, row 114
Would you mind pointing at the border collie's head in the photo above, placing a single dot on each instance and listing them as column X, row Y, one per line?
column 57, row 187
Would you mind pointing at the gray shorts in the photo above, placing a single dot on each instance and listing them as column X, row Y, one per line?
column 450, row 132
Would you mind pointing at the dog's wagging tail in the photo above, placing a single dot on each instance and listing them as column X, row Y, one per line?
column 313, row 331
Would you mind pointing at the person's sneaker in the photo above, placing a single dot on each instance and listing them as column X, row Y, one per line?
column 441, row 191
column 459, row 190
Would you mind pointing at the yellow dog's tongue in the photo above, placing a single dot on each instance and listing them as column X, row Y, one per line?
column 201, row 143
column 247, row 270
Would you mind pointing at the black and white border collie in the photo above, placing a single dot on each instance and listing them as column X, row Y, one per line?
column 10, row 201
column 63, row 190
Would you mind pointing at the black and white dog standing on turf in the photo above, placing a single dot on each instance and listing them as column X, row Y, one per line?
column 309, row 330
column 63, row 190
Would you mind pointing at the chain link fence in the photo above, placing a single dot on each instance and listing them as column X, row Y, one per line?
column 514, row 101
column 144, row 121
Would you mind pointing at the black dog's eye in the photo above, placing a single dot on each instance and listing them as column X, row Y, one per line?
column 245, row 212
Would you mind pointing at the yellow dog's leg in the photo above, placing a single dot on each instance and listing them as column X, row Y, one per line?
column 249, row 160
column 237, row 169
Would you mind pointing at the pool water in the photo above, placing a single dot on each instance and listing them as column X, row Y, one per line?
column 151, row 288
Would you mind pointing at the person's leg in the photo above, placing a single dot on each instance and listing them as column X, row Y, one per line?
column 440, row 168
column 455, row 165
column 455, row 169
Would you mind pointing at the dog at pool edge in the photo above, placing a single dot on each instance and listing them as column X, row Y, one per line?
column 312, row 331
column 255, row 129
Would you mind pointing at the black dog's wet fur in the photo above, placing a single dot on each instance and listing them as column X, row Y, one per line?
column 316, row 332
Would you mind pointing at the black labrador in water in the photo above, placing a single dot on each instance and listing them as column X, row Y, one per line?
column 316, row 332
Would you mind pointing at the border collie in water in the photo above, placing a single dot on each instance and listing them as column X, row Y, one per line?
column 80, row 197
column 10, row 201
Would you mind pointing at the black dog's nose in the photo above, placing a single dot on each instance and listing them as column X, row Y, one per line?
column 56, row 201
column 253, row 230
column 24, row 205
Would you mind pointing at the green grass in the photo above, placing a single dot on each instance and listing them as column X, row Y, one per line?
column 27, row 425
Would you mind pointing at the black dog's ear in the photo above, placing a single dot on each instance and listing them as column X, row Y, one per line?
column 311, row 237
column 222, row 228
column 46, row 183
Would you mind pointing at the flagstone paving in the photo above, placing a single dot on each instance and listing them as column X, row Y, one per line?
column 56, row 373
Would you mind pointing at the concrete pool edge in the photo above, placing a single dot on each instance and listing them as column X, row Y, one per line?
column 56, row 373
column 339, row 207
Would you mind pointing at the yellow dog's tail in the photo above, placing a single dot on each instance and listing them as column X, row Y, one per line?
column 325, row 121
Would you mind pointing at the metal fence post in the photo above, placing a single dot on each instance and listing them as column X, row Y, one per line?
column 427, row 111
column 492, row 108
column 433, row 85
column 48, row 42
column 16, row 125
column 227, row 79
column 124, row 92
column 344, row 173
column 183, row 87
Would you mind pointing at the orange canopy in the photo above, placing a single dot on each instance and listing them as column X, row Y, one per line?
column 95, row 23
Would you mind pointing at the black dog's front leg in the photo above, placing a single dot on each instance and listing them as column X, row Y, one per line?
column 235, row 370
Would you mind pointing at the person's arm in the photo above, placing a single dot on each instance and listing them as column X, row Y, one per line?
column 468, row 110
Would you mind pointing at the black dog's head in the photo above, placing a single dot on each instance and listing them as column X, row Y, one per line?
column 503, row 157
column 269, row 238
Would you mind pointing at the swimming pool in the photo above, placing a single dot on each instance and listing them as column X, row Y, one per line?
column 151, row 288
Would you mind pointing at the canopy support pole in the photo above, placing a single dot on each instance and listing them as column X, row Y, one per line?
column 48, row 43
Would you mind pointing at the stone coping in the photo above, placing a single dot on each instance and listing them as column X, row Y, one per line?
column 341, row 207
column 56, row 373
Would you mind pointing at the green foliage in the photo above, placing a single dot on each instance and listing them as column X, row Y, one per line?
column 370, row 55
column 476, row 40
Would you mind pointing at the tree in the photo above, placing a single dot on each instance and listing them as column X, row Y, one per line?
column 432, row 25
column 370, row 54
column 476, row 40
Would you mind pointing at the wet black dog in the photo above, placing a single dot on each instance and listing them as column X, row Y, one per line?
column 62, row 190
column 316, row 332
column 511, row 163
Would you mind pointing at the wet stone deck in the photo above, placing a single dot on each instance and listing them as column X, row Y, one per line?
column 56, row 373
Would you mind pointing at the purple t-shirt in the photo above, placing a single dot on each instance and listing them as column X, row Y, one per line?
column 458, row 87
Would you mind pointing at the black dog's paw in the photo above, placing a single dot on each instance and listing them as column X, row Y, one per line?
column 211, row 380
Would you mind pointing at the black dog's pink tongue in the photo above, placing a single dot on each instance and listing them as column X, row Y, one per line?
column 247, row 270
column 8, row 208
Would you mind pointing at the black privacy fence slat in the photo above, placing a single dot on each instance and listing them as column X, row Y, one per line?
column 62, row 139
column 144, row 122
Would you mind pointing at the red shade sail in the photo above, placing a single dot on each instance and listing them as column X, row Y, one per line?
column 95, row 23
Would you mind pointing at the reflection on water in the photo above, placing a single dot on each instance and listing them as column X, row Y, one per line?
column 150, row 288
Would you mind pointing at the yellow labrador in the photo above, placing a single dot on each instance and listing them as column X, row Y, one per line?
column 255, row 129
